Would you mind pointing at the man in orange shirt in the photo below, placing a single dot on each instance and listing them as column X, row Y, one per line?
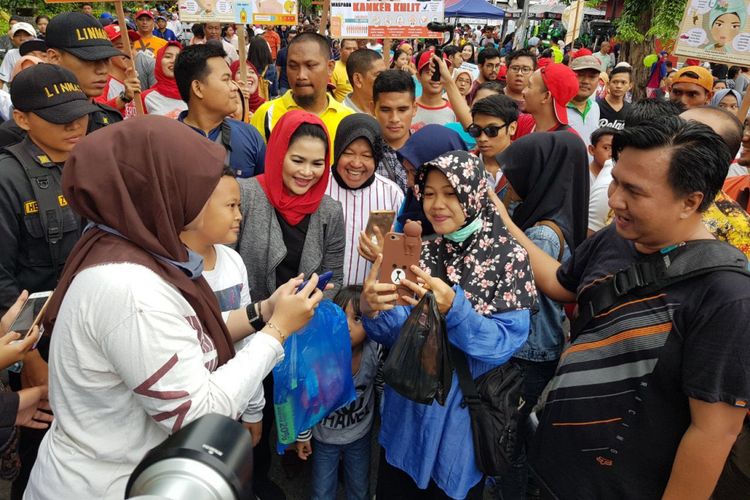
column 273, row 39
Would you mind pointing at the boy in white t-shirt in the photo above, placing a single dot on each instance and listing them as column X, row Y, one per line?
column 224, row 270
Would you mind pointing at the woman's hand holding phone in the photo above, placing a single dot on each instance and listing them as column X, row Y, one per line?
column 10, row 316
column 293, row 310
column 367, row 249
column 377, row 296
column 13, row 350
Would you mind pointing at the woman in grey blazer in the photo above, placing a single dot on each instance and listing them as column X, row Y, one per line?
column 289, row 227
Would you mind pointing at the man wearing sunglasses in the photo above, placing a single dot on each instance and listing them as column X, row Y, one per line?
column 493, row 124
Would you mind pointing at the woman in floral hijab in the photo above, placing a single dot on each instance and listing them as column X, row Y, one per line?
column 486, row 297
column 481, row 256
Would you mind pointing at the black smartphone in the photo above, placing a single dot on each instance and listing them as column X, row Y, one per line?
column 436, row 74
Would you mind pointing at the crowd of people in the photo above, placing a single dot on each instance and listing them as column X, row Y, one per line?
column 175, row 201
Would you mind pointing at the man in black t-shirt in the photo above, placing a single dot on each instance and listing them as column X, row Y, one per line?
column 651, row 393
column 612, row 107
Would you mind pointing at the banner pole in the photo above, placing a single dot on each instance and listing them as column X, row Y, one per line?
column 243, row 69
column 324, row 17
column 139, row 111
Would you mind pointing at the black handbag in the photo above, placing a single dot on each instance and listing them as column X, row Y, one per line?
column 495, row 401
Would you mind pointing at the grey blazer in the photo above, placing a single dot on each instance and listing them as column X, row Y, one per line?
column 262, row 248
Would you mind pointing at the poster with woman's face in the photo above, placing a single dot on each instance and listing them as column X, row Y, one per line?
column 716, row 30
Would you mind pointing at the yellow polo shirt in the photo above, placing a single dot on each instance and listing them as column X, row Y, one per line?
column 341, row 80
column 266, row 116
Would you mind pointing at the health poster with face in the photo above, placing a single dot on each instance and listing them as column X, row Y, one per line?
column 206, row 11
column 716, row 30
column 276, row 12
column 385, row 19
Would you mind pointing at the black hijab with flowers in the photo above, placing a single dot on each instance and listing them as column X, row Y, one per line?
column 490, row 265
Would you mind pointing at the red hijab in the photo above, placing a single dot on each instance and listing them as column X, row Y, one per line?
column 148, row 194
column 292, row 208
column 255, row 99
column 165, row 85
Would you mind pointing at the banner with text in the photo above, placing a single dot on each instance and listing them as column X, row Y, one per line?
column 385, row 19
column 716, row 31
column 206, row 11
column 266, row 12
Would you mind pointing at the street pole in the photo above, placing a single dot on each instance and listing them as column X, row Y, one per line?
column 523, row 24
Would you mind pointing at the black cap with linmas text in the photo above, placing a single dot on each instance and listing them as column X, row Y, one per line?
column 81, row 35
column 51, row 92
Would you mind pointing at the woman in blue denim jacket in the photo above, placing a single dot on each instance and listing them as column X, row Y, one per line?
column 548, row 195
column 486, row 300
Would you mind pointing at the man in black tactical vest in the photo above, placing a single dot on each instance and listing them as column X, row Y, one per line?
column 37, row 227
column 77, row 42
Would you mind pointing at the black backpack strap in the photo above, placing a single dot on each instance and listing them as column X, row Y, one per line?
column 47, row 191
column 225, row 139
column 656, row 272
column 458, row 357
column 465, row 380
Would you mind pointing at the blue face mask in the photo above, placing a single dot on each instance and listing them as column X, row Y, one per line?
column 462, row 234
column 193, row 268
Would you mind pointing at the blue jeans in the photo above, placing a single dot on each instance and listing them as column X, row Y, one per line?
column 325, row 465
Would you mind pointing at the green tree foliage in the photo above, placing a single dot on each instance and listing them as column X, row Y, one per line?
column 643, row 20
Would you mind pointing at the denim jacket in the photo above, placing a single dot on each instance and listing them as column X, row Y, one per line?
column 546, row 338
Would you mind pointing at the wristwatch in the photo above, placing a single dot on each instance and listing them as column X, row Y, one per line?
column 254, row 316
column 124, row 98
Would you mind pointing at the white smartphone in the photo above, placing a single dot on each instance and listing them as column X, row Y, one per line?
column 31, row 313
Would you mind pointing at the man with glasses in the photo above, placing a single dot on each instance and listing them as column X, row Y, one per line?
column 493, row 124
column 489, row 66
column 521, row 63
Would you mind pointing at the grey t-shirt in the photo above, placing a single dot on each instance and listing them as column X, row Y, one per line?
column 353, row 421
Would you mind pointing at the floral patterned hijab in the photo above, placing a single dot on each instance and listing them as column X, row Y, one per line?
column 490, row 266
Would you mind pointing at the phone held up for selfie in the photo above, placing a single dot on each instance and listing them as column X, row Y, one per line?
column 400, row 252
column 31, row 314
column 382, row 219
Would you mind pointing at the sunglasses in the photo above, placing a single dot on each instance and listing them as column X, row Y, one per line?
column 475, row 130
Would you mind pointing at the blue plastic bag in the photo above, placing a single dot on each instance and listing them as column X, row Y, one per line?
column 315, row 378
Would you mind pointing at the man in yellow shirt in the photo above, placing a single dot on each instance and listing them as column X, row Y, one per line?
column 340, row 77
column 308, row 69
column 149, row 43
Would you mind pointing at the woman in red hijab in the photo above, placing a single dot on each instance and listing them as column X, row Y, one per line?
column 139, row 347
column 290, row 227
column 252, row 98
column 164, row 97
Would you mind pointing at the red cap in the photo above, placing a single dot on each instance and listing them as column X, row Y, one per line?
column 502, row 73
column 144, row 12
column 581, row 52
column 113, row 32
column 543, row 62
column 562, row 83
column 425, row 59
